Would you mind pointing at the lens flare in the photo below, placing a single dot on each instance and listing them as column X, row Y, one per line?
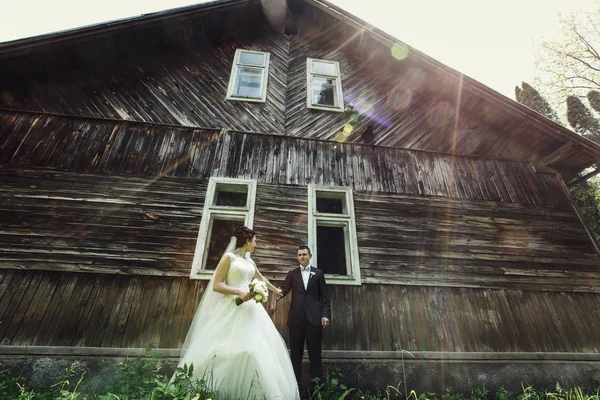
column 400, row 97
column 400, row 51
column 365, row 104
column 274, row 11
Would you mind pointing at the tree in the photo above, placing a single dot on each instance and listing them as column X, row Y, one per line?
column 527, row 95
column 569, row 68
column 570, row 65
column 581, row 119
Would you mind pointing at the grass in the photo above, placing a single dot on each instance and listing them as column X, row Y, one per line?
column 142, row 378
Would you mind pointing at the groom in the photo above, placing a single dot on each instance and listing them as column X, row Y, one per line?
column 310, row 312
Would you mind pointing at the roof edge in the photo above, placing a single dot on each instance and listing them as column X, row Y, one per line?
column 21, row 45
column 479, row 89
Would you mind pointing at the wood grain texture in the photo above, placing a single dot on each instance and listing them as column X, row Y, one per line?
column 177, row 73
column 152, row 150
column 430, row 319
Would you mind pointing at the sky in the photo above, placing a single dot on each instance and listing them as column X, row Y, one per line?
column 492, row 42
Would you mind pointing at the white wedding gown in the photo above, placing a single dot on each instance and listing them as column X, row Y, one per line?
column 237, row 348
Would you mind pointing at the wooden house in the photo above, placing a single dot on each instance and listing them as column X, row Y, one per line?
column 438, row 208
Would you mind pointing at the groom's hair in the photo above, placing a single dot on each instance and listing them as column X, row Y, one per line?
column 305, row 248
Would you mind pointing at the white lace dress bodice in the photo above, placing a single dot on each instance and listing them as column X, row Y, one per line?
column 241, row 271
column 238, row 348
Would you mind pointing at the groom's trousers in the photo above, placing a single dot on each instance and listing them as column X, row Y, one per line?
column 313, row 334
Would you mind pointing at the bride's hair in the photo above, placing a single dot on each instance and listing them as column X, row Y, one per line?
column 243, row 234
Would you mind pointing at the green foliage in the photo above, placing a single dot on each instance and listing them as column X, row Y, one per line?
column 184, row 386
column 146, row 383
column 527, row 95
column 587, row 200
column 332, row 388
column 136, row 378
column 9, row 387
column 581, row 119
column 594, row 99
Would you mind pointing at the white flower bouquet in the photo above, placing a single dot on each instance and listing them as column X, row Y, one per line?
column 258, row 291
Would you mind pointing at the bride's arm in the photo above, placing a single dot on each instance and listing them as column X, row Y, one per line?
column 260, row 276
column 219, row 284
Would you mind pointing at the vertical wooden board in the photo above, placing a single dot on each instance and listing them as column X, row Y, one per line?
column 577, row 317
column 82, row 333
column 12, row 299
column 76, row 305
column 125, row 313
column 129, row 331
column 178, row 314
column 169, row 313
column 51, row 327
column 7, row 288
column 35, row 313
column 25, row 303
column 104, row 310
column 138, row 328
column 156, row 314
column 114, row 314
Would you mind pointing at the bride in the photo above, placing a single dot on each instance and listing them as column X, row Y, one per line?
column 238, row 348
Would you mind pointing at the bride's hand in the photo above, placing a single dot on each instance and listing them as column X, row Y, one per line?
column 244, row 295
column 278, row 293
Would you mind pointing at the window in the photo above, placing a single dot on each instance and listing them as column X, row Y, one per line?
column 332, row 233
column 229, row 203
column 249, row 75
column 324, row 85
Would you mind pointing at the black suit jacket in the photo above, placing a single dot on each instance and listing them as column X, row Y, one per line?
column 313, row 301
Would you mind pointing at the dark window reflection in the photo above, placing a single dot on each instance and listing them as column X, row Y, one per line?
column 231, row 199
column 220, row 234
column 323, row 91
column 331, row 206
column 331, row 254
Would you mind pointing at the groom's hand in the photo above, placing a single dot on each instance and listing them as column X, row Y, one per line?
column 278, row 294
column 324, row 322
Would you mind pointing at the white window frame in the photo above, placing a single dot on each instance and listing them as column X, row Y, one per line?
column 339, row 98
column 347, row 220
column 234, row 73
column 210, row 210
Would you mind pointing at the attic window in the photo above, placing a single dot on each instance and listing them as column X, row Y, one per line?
column 324, row 85
column 249, row 75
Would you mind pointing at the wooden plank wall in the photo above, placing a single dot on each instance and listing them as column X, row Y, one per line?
column 84, row 222
column 407, row 105
column 93, row 145
column 78, row 309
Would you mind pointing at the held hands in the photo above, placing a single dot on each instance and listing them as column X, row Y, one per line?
column 324, row 322
column 278, row 293
column 244, row 295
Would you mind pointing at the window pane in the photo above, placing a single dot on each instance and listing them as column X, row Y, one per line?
column 323, row 91
column 252, row 59
column 331, row 250
column 231, row 195
column 330, row 205
column 219, row 235
column 249, row 82
column 323, row 68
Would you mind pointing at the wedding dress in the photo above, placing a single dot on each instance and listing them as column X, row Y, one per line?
column 237, row 349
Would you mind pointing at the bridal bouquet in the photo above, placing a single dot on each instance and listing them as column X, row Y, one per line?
column 258, row 291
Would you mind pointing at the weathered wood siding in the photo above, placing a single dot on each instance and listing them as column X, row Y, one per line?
column 448, row 221
column 78, row 309
column 407, row 105
column 93, row 210
column 40, row 140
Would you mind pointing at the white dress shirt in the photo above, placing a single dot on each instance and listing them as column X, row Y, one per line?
column 305, row 275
